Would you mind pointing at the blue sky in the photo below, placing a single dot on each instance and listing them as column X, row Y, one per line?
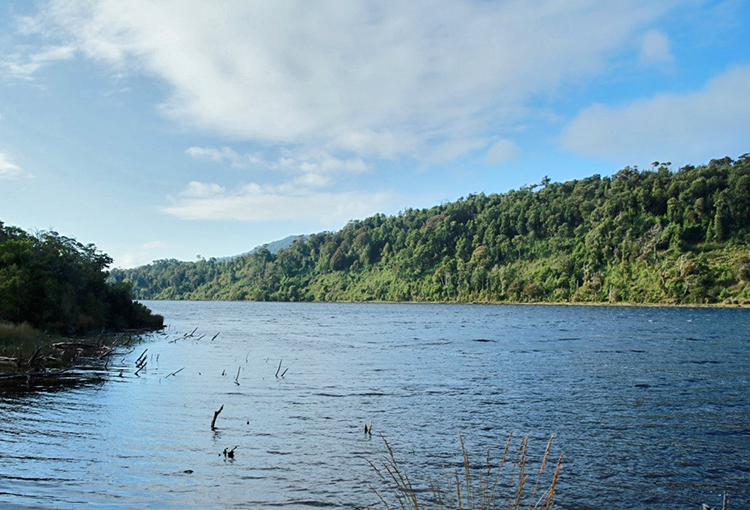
column 178, row 128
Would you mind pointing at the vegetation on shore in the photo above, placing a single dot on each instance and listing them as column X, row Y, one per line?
column 53, row 287
column 640, row 236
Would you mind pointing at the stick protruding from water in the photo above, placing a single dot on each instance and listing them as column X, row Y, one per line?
column 216, row 415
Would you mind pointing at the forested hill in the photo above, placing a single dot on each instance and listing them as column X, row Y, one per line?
column 655, row 236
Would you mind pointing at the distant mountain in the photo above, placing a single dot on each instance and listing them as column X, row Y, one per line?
column 281, row 244
column 273, row 247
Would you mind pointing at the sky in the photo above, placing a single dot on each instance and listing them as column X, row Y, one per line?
column 182, row 129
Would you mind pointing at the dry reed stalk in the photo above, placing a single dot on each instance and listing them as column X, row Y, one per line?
column 505, row 452
column 475, row 489
column 467, row 474
column 541, row 470
column 551, row 490
column 520, row 464
column 397, row 480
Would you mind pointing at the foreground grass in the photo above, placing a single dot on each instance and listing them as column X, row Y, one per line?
column 475, row 487
column 23, row 340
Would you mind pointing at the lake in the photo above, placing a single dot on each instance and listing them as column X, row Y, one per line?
column 651, row 406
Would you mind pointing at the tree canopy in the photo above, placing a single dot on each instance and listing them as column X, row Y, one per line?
column 57, row 284
column 638, row 236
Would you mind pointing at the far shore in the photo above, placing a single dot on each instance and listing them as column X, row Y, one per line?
column 622, row 304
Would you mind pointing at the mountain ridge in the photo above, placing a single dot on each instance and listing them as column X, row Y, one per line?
column 273, row 247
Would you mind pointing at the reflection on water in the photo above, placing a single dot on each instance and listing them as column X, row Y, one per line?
column 650, row 405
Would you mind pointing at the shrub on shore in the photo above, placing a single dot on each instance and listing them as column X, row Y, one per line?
column 57, row 285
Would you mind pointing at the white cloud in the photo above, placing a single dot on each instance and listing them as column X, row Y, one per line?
column 10, row 171
column 655, row 49
column 143, row 254
column 386, row 79
column 695, row 126
column 323, row 164
column 256, row 203
column 315, row 167
column 502, row 151
column 23, row 66
column 200, row 190
column 311, row 181
column 154, row 245
column 217, row 155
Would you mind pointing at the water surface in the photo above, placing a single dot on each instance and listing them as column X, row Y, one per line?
column 651, row 406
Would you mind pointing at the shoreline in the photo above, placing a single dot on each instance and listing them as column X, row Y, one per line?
column 621, row 304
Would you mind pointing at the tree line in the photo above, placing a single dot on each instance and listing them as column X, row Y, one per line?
column 58, row 285
column 638, row 236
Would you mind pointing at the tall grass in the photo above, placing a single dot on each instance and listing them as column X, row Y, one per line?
column 18, row 338
column 505, row 485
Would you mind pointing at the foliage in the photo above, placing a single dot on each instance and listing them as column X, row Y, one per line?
column 56, row 284
column 475, row 486
column 653, row 236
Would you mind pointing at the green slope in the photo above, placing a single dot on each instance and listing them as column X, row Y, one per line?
column 653, row 236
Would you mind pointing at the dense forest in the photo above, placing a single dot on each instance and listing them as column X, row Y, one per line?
column 638, row 236
column 57, row 285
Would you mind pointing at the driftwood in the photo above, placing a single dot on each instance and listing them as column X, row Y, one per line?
column 186, row 336
column 216, row 415
column 175, row 372
column 139, row 369
column 723, row 504
column 35, row 357
column 63, row 346
column 105, row 351
column 6, row 361
column 30, row 375
column 142, row 359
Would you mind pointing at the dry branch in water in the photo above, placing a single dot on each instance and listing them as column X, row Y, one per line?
column 216, row 415
column 175, row 372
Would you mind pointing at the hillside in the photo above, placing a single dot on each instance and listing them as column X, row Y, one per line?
column 654, row 236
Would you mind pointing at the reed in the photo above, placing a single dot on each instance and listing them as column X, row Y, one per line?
column 487, row 487
column 19, row 338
